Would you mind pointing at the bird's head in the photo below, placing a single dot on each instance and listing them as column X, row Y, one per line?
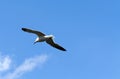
column 36, row 41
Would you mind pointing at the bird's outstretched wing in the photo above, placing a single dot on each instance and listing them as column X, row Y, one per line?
column 33, row 31
column 51, row 42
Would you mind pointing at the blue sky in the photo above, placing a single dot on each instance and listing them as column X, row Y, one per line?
column 88, row 29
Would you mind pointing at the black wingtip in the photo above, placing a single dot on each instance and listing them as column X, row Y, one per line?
column 64, row 50
column 24, row 29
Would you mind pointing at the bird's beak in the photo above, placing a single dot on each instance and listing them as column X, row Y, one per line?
column 34, row 42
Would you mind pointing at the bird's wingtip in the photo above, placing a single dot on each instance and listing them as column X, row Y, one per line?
column 64, row 50
column 24, row 29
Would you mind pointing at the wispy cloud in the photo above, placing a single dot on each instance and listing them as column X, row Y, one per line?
column 5, row 62
column 26, row 66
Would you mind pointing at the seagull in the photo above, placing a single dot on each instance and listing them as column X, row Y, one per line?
column 42, row 37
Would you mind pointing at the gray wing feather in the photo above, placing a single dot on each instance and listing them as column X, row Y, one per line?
column 51, row 42
column 33, row 31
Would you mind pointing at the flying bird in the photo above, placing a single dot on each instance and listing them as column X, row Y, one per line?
column 42, row 37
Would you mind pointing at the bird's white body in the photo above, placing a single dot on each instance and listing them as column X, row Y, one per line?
column 43, row 38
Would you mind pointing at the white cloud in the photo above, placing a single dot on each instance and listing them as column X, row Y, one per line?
column 5, row 62
column 26, row 66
